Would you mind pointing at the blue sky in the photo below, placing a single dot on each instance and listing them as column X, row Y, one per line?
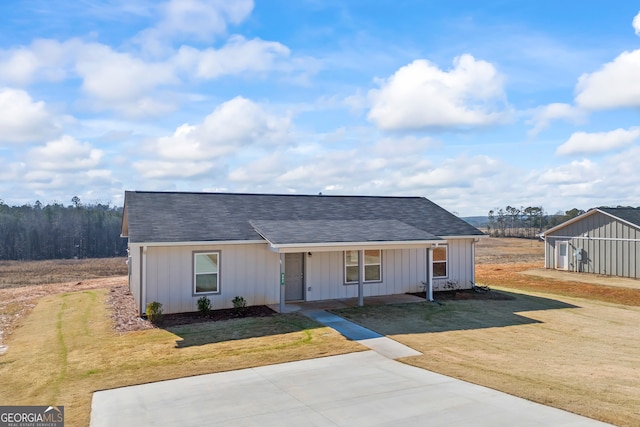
column 474, row 105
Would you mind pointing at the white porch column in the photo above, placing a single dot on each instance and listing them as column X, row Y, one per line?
column 360, row 278
column 429, row 289
column 143, row 285
column 282, row 267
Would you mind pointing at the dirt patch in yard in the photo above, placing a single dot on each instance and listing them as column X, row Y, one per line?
column 17, row 302
column 508, row 275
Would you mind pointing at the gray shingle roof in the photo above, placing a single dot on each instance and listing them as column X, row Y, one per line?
column 631, row 215
column 152, row 217
column 326, row 231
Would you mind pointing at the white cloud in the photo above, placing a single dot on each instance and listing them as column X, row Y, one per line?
column 235, row 125
column 237, row 56
column 263, row 170
column 636, row 24
column 22, row 120
column 543, row 116
column 201, row 20
column 405, row 146
column 178, row 169
column 421, row 96
column 596, row 142
column 576, row 172
column 45, row 59
column 615, row 85
column 457, row 172
column 121, row 81
column 64, row 154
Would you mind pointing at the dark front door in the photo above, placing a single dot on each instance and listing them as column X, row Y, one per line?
column 293, row 277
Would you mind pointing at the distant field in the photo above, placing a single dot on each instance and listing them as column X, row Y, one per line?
column 494, row 250
column 25, row 273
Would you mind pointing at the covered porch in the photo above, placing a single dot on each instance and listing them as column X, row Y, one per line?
column 358, row 240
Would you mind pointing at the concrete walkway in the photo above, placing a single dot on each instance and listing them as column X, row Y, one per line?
column 373, row 340
column 357, row 389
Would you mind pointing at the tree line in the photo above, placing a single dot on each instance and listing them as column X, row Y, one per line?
column 55, row 231
column 525, row 222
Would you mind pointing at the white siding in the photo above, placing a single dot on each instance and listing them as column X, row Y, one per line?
column 135, row 260
column 403, row 270
column 460, row 266
column 250, row 271
column 253, row 272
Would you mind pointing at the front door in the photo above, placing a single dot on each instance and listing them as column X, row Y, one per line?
column 562, row 257
column 294, row 277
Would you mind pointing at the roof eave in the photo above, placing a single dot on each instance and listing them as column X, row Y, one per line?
column 342, row 246
column 201, row 243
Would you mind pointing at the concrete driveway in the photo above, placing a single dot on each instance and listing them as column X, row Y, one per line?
column 357, row 389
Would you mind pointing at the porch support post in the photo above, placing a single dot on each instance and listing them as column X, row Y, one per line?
column 281, row 284
column 360, row 278
column 143, row 285
column 429, row 289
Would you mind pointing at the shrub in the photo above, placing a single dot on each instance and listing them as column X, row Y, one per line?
column 154, row 312
column 239, row 306
column 204, row 305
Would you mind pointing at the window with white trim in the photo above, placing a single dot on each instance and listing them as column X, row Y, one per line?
column 206, row 272
column 440, row 267
column 372, row 266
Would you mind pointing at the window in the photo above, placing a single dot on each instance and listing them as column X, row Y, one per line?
column 440, row 262
column 372, row 266
column 206, row 272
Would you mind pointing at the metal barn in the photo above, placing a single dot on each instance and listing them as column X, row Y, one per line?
column 602, row 241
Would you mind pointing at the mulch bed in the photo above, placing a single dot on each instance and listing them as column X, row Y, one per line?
column 466, row 294
column 126, row 319
column 178, row 319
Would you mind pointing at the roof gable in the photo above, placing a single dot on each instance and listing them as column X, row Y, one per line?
column 630, row 216
column 154, row 217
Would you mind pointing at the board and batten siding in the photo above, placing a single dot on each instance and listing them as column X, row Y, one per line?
column 605, row 250
column 403, row 270
column 461, row 266
column 250, row 271
column 253, row 272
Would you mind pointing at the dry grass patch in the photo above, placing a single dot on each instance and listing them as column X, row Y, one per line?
column 578, row 355
column 66, row 349
column 507, row 250
column 508, row 276
column 26, row 273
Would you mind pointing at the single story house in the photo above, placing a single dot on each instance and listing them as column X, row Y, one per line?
column 271, row 249
column 601, row 241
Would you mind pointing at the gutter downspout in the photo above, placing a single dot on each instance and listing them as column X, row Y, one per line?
column 282, row 290
column 430, row 274
column 143, row 286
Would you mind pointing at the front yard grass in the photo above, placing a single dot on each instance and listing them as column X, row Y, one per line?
column 575, row 354
column 66, row 349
